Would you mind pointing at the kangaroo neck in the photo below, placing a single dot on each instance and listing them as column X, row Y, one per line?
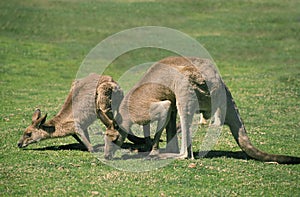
column 58, row 127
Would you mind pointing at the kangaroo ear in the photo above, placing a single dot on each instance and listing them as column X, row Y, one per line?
column 37, row 123
column 43, row 119
column 36, row 115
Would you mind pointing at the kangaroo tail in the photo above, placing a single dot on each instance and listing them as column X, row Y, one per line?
column 234, row 121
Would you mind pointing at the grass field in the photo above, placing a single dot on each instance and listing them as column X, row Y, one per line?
column 256, row 45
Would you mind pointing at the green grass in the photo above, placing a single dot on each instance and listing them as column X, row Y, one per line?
column 254, row 43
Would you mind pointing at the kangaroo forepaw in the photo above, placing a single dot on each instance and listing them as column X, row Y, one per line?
column 91, row 150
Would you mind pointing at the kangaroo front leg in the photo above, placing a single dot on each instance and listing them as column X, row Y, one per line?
column 84, row 139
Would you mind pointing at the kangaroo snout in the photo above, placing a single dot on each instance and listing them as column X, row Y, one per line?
column 20, row 145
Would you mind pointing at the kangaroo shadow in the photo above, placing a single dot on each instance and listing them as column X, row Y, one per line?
column 81, row 147
column 220, row 153
column 74, row 146
column 197, row 155
column 99, row 147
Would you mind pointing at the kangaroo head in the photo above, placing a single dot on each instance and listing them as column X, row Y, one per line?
column 34, row 132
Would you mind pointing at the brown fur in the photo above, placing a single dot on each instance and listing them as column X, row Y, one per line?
column 177, row 83
column 89, row 98
column 206, row 83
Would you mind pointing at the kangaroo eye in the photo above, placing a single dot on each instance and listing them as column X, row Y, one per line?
column 28, row 134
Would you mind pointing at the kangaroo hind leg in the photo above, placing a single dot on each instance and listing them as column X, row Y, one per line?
column 161, row 112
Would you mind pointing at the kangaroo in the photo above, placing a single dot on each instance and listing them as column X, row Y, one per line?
column 198, row 80
column 160, row 98
column 143, row 113
column 89, row 98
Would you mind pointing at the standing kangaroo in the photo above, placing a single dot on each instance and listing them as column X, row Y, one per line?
column 89, row 98
column 175, row 84
column 162, row 92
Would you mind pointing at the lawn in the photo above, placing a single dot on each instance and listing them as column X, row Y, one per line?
column 255, row 45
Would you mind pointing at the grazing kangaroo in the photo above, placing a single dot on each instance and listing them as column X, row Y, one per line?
column 89, row 98
column 159, row 98
column 180, row 80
